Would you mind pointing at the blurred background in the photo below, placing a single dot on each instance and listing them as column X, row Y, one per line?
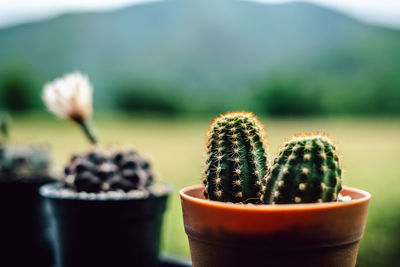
column 163, row 69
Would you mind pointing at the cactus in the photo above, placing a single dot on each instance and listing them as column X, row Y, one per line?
column 95, row 172
column 70, row 97
column 236, row 159
column 307, row 170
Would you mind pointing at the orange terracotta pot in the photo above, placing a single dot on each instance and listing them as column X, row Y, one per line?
column 317, row 234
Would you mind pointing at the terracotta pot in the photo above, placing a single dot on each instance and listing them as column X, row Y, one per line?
column 317, row 234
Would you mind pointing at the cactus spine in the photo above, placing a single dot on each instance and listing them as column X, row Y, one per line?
column 307, row 170
column 236, row 159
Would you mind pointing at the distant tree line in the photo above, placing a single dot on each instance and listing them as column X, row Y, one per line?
column 287, row 93
column 293, row 94
column 17, row 90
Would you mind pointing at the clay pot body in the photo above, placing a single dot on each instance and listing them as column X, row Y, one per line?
column 317, row 234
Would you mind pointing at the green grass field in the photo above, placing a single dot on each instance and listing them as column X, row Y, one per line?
column 370, row 149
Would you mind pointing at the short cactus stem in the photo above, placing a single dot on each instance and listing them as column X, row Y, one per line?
column 306, row 171
column 236, row 159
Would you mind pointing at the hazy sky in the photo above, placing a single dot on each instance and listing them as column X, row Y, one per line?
column 384, row 12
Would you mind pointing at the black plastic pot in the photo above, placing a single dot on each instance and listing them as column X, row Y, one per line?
column 114, row 233
column 24, row 239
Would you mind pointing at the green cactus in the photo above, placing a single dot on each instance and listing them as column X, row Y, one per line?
column 307, row 170
column 236, row 159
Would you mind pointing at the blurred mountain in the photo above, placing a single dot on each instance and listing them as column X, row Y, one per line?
column 208, row 50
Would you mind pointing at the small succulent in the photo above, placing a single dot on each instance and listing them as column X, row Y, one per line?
column 70, row 97
column 307, row 170
column 95, row 172
column 24, row 162
column 21, row 162
column 236, row 159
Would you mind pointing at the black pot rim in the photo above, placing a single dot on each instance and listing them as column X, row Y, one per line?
column 30, row 180
column 167, row 190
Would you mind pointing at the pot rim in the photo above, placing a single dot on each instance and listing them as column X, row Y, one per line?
column 365, row 197
column 168, row 189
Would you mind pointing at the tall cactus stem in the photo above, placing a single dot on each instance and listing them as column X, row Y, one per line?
column 236, row 159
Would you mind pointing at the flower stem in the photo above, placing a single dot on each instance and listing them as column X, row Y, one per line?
column 89, row 131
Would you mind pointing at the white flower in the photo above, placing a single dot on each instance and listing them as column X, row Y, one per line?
column 69, row 97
